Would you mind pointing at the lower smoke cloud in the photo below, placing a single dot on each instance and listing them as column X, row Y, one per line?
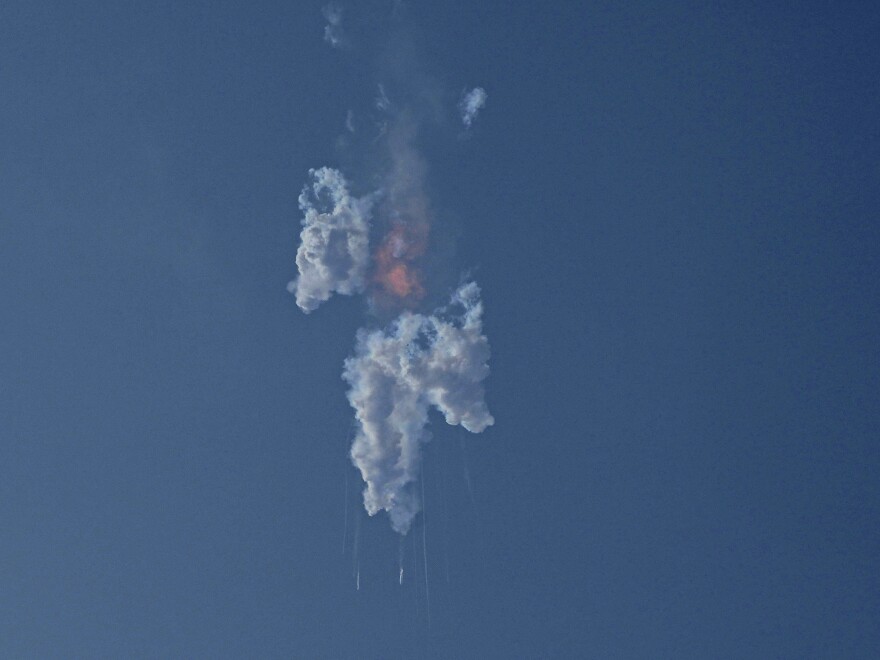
column 396, row 375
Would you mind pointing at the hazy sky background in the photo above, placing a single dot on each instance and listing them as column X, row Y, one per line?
column 673, row 215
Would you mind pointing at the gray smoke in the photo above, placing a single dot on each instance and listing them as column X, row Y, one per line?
column 335, row 252
column 396, row 375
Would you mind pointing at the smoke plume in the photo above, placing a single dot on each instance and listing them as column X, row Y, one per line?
column 420, row 359
column 396, row 375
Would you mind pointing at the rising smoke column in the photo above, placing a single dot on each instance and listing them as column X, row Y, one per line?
column 396, row 375
column 419, row 360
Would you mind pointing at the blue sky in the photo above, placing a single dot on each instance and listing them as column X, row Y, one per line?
column 672, row 214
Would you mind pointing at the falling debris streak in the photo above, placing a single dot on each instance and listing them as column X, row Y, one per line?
column 356, row 548
column 415, row 571
column 444, row 515
column 425, row 550
column 345, row 515
column 467, row 472
column 400, row 559
column 415, row 556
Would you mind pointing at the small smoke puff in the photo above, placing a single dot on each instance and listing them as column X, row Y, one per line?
column 470, row 105
column 333, row 33
column 334, row 252
column 383, row 104
column 396, row 375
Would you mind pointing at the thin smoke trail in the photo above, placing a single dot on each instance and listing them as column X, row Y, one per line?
column 425, row 550
column 415, row 556
column 345, row 469
column 467, row 472
column 416, row 583
column 356, row 548
column 345, row 515
column 444, row 514
column 400, row 560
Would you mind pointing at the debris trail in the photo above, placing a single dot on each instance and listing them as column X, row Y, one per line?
column 345, row 516
column 467, row 472
column 425, row 550
column 400, row 560
column 356, row 548
column 444, row 515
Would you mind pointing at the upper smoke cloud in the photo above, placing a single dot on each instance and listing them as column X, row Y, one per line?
column 333, row 33
column 470, row 105
column 335, row 253
column 396, row 375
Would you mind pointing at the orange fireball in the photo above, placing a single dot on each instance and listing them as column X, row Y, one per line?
column 397, row 271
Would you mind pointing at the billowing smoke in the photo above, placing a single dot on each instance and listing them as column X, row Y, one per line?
column 419, row 360
column 471, row 104
column 396, row 375
column 334, row 252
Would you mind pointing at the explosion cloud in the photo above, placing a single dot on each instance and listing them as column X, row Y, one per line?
column 396, row 272
column 419, row 360
column 396, row 375
column 407, row 212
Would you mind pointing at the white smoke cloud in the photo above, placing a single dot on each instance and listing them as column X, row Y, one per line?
column 334, row 253
column 470, row 105
column 333, row 33
column 396, row 375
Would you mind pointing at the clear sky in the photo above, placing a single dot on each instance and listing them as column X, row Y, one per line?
column 673, row 216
